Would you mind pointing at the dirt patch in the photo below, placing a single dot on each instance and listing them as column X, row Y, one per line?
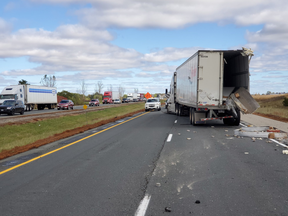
column 65, row 134
column 277, row 118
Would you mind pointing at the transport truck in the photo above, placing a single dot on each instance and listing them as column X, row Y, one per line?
column 110, row 96
column 212, row 85
column 131, row 96
column 32, row 96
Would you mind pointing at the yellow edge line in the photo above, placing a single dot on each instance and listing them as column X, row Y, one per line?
column 48, row 153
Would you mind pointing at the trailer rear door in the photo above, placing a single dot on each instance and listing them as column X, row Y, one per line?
column 210, row 78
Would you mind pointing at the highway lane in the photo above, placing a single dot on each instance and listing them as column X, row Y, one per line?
column 178, row 169
column 106, row 174
column 205, row 170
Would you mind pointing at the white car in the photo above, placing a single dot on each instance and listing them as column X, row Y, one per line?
column 152, row 104
column 117, row 101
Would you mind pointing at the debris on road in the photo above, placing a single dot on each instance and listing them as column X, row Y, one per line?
column 188, row 138
column 158, row 184
column 285, row 151
column 168, row 209
column 246, row 153
column 197, row 201
column 260, row 132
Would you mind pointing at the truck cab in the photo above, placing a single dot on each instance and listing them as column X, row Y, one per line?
column 107, row 97
column 13, row 92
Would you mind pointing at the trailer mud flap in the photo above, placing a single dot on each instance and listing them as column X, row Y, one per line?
column 244, row 101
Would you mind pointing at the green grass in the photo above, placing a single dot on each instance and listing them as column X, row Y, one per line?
column 20, row 135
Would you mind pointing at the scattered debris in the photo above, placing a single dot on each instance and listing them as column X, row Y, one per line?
column 226, row 130
column 212, row 126
column 188, row 138
column 188, row 130
column 197, row 201
column 194, row 131
column 230, row 138
column 246, row 152
column 250, row 125
column 179, row 134
column 227, row 135
column 259, row 138
column 260, row 132
column 212, row 136
column 158, row 184
column 253, row 139
column 168, row 209
column 285, row 151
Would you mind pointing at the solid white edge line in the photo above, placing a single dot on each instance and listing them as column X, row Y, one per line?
column 143, row 206
column 169, row 137
column 279, row 143
column 175, row 121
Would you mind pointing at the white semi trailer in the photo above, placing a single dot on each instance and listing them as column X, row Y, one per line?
column 212, row 85
column 33, row 97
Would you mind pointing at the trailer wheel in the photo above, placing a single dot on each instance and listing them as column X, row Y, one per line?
column 192, row 116
column 177, row 110
column 233, row 121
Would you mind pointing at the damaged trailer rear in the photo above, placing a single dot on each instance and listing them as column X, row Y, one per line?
column 212, row 84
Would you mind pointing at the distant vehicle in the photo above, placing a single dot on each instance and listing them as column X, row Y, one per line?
column 125, row 100
column 135, row 100
column 110, row 96
column 153, row 104
column 117, row 101
column 32, row 96
column 94, row 102
column 65, row 104
column 132, row 96
column 10, row 107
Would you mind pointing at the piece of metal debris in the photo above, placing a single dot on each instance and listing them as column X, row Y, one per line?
column 168, row 209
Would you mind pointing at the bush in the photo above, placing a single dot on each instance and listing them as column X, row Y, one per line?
column 285, row 101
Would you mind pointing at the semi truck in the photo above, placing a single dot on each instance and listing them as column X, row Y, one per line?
column 131, row 96
column 212, row 85
column 110, row 96
column 32, row 96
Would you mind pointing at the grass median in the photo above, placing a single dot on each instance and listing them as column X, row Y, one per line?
column 21, row 135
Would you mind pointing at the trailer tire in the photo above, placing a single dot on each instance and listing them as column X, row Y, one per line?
column 192, row 116
column 233, row 121
column 177, row 110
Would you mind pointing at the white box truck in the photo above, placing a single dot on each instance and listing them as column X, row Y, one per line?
column 212, row 85
column 33, row 97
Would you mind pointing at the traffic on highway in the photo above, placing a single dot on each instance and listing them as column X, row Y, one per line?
column 152, row 163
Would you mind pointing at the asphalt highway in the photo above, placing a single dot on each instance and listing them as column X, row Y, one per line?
column 150, row 164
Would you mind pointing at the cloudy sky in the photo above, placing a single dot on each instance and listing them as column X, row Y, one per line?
column 137, row 43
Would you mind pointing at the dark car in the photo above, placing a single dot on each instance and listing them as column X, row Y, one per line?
column 94, row 102
column 65, row 104
column 135, row 100
column 12, row 106
column 124, row 100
